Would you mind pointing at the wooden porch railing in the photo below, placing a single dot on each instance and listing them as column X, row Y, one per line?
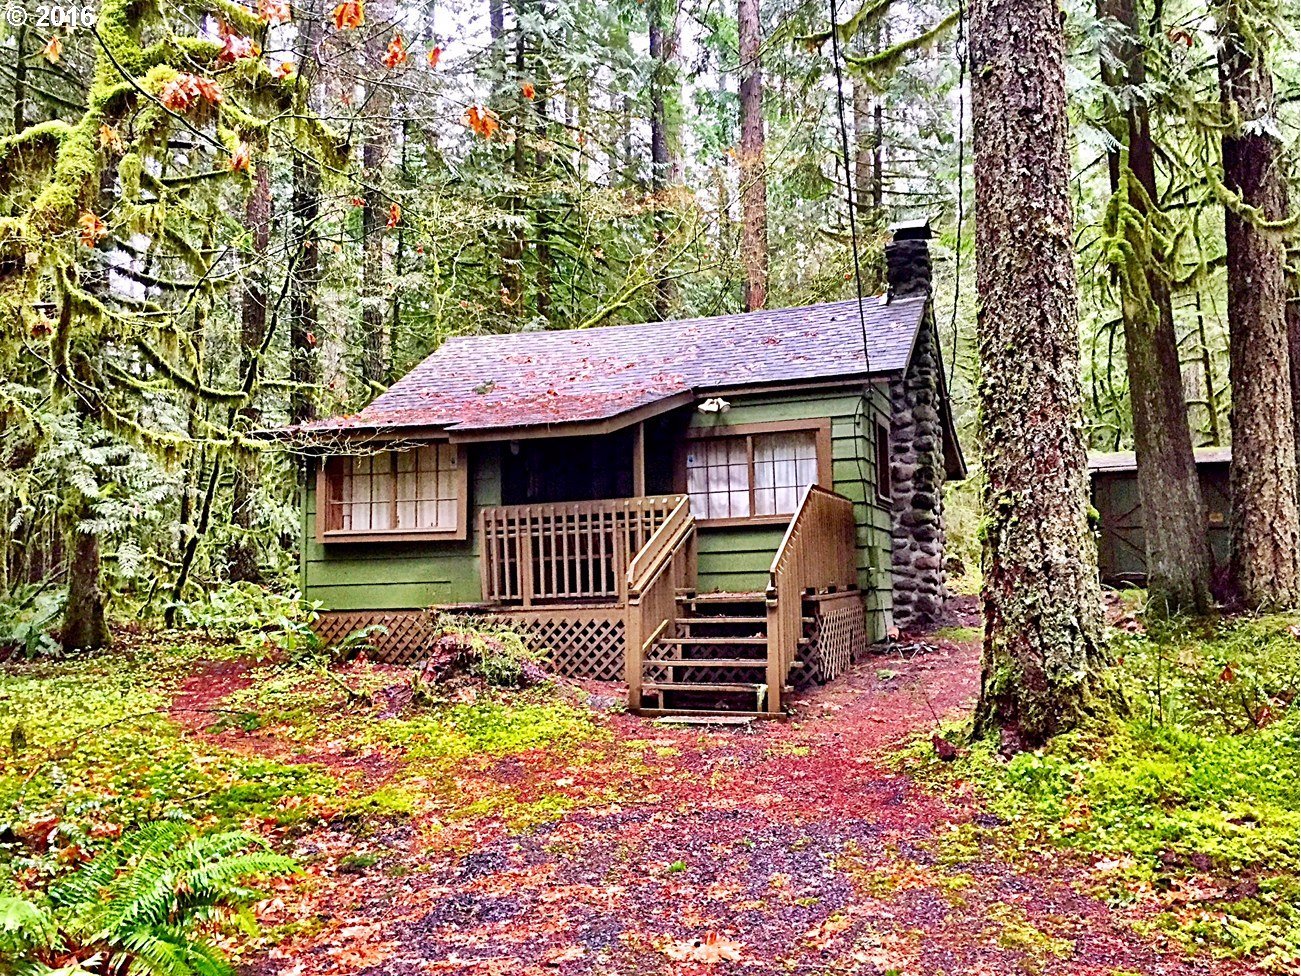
column 566, row 551
column 666, row 563
column 815, row 556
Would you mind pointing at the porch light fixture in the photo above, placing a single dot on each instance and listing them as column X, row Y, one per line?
column 714, row 405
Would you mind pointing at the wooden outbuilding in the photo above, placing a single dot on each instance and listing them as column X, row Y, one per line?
column 1122, row 552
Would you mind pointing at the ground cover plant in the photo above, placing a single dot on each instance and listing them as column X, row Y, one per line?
column 1189, row 804
column 488, row 827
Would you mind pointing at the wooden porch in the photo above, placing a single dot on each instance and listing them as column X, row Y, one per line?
column 618, row 577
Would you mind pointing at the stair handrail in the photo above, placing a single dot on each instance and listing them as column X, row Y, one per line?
column 658, row 547
column 817, row 553
column 665, row 563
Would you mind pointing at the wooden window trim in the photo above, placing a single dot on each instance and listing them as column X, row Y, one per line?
column 821, row 428
column 884, row 488
column 329, row 475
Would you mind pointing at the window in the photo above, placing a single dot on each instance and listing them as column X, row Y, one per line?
column 882, row 446
column 418, row 493
column 755, row 472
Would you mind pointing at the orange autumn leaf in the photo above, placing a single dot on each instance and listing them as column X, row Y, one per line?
column 273, row 12
column 481, row 121
column 394, row 216
column 396, row 54
column 91, row 230
column 53, row 49
column 185, row 90
column 527, row 90
column 109, row 138
column 241, row 159
column 284, row 69
column 350, row 15
column 234, row 47
column 433, row 56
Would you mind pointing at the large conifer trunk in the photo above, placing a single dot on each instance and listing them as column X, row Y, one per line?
column 1043, row 658
column 242, row 556
column 1174, row 513
column 1263, row 474
column 754, row 192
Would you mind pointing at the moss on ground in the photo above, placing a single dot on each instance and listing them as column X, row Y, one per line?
column 1188, row 806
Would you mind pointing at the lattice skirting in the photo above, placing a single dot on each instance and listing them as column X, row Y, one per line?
column 837, row 633
column 579, row 642
column 407, row 631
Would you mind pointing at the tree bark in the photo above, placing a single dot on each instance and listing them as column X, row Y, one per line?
column 863, row 146
column 242, row 555
column 1263, row 473
column 374, row 211
column 662, row 37
column 1043, row 659
column 304, row 317
column 754, row 192
column 1174, row 512
column 85, row 625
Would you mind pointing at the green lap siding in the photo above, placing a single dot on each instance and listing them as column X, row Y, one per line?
column 737, row 558
column 399, row 575
column 411, row 575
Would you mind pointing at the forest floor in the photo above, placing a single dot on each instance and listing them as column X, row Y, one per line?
column 548, row 831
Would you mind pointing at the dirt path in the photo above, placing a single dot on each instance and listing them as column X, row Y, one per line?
column 782, row 848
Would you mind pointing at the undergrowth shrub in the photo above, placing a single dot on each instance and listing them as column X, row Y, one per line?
column 478, row 647
column 28, row 620
column 148, row 905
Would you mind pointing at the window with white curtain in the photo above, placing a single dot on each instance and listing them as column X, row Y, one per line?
column 750, row 475
column 416, row 490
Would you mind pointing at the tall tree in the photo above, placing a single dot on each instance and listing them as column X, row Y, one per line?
column 375, row 208
column 754, row 192
column 1043, row 661
column 663, row 42
column 242, row 558
column 1174, row 513
column 1263, row 474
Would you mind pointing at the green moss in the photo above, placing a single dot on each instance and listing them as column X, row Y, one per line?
column 497, row 725
column 1201, row 780
column 99, row 737
column 959, row 635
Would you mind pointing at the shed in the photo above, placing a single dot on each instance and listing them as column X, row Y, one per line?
column 1122, row 550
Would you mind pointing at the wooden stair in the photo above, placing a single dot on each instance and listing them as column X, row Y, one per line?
column 716, row 658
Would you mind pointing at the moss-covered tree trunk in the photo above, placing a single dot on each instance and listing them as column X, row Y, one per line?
column 1263, row 474
column 375, row 208
column 242, row 555
column 754, row 187
column 1174, row 513
column 1043, row 662
column 305, row 205
column 85, row 623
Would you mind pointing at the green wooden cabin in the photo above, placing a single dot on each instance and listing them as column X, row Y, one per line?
column 711, row 510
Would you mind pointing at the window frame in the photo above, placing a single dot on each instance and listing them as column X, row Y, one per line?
column 884, row 482
column 329, row 504
column 821, row 428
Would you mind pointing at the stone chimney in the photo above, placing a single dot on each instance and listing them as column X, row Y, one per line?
column 908, row 260
column 916, row 445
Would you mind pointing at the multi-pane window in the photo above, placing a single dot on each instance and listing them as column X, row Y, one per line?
column 750, row 475
column 883, row 485
column 417, row 490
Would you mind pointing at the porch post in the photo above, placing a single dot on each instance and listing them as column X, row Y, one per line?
column 639, row 460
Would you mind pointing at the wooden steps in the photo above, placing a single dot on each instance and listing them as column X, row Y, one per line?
column 708, row 662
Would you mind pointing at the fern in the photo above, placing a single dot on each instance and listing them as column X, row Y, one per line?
column 25, row 925
column 140, row 903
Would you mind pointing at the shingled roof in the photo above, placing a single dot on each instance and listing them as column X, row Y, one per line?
column 477, row 387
